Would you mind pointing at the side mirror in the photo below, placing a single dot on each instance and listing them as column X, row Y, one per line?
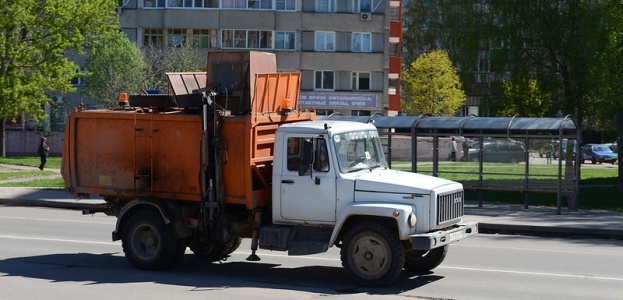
column 308, row 157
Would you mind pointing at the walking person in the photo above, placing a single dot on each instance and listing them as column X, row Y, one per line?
column 453, row 154
column 549, row 151
column 43, row 152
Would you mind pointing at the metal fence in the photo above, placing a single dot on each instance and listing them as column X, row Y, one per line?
column 514, row 154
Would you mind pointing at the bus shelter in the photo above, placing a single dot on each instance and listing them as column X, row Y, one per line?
column 514, row 154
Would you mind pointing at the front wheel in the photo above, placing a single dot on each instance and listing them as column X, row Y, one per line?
column 149, row 244
column 424, row 261
column 372, row 254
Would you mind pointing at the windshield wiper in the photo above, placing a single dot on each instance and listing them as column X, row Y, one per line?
column 377, row 166
column 356, row 170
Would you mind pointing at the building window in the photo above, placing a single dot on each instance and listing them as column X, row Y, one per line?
column 360, row 113
column 78, row 80
column 325, row 5
column 392, row 86
column 324, row 80
column 324, row 112
column 206, row 3
column 174, row 3
column 247, row 39
column 260, row 39
column 205, row 38
column 362, row 6
column 289, row 5
column 176, row 37
column 393, row 49
column 285, row 40
column 361, row 42
column 153, row 37
column 260, row 4
column 361, row 81
column 325, row 41
column 155, row 3
column 234, row 4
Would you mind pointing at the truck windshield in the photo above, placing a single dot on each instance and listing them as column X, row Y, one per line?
column 359, row 150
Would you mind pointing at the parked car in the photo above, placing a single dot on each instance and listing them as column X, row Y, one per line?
column 598, row 153
column 613, row 146
column 498, row 152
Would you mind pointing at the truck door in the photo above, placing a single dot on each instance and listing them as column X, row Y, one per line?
column 308, row 192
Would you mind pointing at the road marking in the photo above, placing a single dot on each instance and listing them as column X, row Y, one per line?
column 56, row 240
column 56, row 220
column 533, row 273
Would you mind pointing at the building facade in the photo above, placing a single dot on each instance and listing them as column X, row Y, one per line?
column 348, row 51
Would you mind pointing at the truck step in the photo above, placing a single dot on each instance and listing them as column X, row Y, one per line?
column 307, row 247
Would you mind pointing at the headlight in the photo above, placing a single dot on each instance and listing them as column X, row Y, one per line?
column 412, row 220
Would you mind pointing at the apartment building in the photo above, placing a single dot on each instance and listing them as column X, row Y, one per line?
column 348, row 51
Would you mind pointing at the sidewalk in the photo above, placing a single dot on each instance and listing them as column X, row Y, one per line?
column 514, row 219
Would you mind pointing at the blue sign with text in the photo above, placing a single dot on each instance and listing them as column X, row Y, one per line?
column 318, row 100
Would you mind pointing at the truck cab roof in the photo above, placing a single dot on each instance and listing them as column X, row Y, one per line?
column 320, row 127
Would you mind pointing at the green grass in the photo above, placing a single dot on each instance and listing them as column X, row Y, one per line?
column 37, row 183
column 53, row 162
column 21, row 174
column 31, row 161
column 598, row 186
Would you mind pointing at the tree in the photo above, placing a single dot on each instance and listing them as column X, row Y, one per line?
column 524, row 97
column 567, row 46
column 36, row 36
column 160, row 60
column 116, row 65
column 432, row 86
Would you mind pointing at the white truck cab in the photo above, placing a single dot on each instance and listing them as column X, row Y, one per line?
column 333, row 175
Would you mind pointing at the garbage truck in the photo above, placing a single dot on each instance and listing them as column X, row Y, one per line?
column 229, row 154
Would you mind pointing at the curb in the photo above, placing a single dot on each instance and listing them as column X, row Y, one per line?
column 75, row 205
column 490, row 228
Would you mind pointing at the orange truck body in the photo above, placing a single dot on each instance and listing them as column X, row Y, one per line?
column 132, row 153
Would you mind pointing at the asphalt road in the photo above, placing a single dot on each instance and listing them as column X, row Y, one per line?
column 60, row 254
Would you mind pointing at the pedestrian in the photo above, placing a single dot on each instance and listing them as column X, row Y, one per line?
column 453, row 154
column 43, row 152
column 549, row 151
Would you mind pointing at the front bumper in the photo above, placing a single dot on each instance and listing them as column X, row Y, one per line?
column 432, row 240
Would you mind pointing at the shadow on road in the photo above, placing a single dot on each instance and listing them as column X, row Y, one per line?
column 197, row 274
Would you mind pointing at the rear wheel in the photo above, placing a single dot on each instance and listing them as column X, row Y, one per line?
column 424, row 261
column 149, row 244
column 593, row 160
column 372, row 254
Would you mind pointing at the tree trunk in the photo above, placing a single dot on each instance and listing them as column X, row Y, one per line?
column 2, row 141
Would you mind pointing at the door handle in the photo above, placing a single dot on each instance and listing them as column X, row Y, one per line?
column 288, row 181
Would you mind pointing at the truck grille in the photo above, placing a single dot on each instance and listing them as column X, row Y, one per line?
column 449, row 206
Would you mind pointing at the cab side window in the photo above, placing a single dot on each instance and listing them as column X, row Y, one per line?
column 295, row 153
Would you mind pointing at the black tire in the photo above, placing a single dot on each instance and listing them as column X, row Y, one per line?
column 582, row 160
column 372, row 254
column 424, row 261
column 217, row 252
column 593, row 160
column 149, row 244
